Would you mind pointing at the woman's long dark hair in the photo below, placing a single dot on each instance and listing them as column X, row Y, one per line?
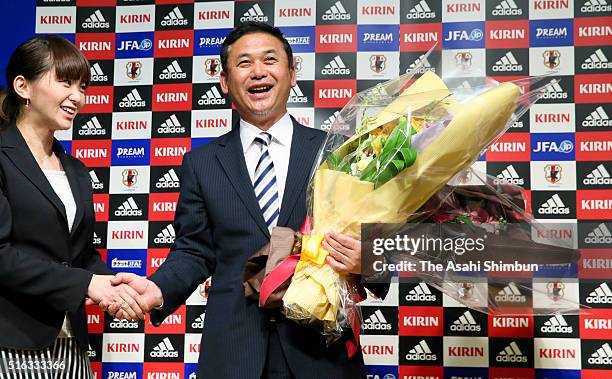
column 32, row 59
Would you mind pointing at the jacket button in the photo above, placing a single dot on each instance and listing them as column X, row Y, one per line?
column 66, row 264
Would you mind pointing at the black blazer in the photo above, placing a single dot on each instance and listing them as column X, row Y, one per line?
column 219, row 226
column 44, row 269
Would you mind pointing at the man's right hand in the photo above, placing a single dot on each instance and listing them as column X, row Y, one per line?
column 150, row 294
column 101, row 291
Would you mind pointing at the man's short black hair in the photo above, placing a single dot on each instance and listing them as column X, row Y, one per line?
column 250, row 28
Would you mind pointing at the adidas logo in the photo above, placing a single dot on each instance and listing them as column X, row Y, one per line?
column 599, row 175
column 423, row 65
column 421, row 352
column 512, row 354
column 465, row 85
column 169, row 180
column 598, row 117
column 510, row 294
column 507, row 8
column 128, row 208
column 327, row 124
column 166, row 236
column 553, row 206
column 508, row 176
column 96, row 184
column 421, row 11
column 376, row 321
column 95, row 21
column 97, row 75
column 173, row 71
column 420, row 292
column 212, row 97
column 603, row 355
column 556, row 324
column 198, row 323
column 92, row 128
column 297, row 96
column 96, row 240
column 553, row 91
column 91, row 352
column 171, row 125
column 123, row 324
column 601, row 295
column 507, row 63
column 601, row 234
column 164, row 349
column 597, row 60
column 336, row 12
column 517, row 124
column 174, row 18
column 596, row 6
column 132, row 100
column 254, row 14
column 336, row 67
column 465, row 323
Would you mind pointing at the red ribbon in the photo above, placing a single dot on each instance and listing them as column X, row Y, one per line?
column 277, row 277
column 352, row 345
column 285, row 270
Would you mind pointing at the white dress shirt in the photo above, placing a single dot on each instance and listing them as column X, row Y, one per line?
column 279, row 149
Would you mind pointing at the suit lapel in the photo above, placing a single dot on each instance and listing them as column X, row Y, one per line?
column 303, row 148
column 231, row 158
column 73, row 180
column 18, row 152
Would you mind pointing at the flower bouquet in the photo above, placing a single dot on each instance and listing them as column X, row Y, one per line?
column 390, row 149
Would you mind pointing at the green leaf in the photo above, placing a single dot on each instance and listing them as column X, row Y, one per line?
column 399, row 164
column 409, row 155
column 396, row 138
column 383, row 178
column 334, row 161
column 368, row 173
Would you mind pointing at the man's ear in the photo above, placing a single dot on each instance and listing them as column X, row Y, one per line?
column 21, row 87
column 293, row 77
column 223, row 82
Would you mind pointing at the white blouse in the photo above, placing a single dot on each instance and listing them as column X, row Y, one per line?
column 59, row 183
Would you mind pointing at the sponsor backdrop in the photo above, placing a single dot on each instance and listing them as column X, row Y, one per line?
column 155, row 95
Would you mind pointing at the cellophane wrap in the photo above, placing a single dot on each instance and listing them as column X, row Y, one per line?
column 389, row 150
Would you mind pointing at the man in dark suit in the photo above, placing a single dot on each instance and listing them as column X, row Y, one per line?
column 233, row 192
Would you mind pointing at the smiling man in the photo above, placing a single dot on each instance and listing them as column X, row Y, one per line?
column 234, row 190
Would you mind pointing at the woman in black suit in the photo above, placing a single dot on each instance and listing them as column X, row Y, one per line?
column 48, row 265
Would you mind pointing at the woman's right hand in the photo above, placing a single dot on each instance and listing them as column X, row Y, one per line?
column 102, row 292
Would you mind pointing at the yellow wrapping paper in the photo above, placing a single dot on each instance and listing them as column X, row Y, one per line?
column 342, row 202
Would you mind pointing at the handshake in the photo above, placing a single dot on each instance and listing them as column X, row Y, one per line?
column 125, row 296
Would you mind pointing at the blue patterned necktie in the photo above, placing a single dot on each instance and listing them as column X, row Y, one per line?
column 266, row 190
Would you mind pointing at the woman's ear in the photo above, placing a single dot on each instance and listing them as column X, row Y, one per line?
column 21, row 87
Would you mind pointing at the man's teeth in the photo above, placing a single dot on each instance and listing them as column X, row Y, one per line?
column 69, row 110
column 260, row 89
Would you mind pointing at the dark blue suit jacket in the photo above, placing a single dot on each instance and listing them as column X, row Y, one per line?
column 218, row 227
